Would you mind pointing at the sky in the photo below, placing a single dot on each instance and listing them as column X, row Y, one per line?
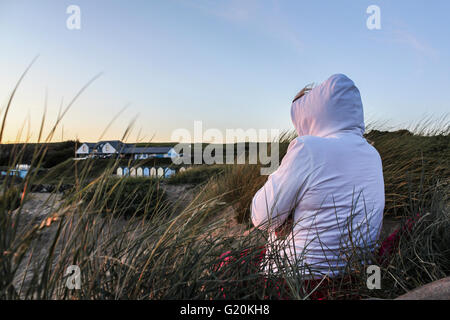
column 228, row 63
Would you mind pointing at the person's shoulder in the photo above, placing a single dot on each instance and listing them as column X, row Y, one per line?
column 305, row 140
column 373, row 150
column 296, row 143
column 311, row 141
column 300, row 144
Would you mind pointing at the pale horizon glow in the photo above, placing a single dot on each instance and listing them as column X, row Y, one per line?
column 230, row 64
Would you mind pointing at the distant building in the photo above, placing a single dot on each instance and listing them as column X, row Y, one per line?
column 116, row 148
column 162, row 172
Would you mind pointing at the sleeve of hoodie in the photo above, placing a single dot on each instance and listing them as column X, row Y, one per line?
column 272, row 203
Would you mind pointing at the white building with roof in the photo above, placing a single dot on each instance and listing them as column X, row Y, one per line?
column 116, row 148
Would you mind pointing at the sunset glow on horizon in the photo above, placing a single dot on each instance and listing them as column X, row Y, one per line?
column 229, row 64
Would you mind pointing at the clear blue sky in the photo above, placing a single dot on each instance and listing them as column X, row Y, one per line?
column 231, row 64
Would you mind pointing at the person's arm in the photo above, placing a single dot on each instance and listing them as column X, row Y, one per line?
column 279, row 196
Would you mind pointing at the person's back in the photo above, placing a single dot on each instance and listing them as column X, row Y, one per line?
column 330, row 181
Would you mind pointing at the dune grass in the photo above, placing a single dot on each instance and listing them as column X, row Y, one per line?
column 166, row 255
column 197, row 175
column 163, row 253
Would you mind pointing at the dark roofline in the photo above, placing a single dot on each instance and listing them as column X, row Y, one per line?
column 129, row 148
column 153, row 150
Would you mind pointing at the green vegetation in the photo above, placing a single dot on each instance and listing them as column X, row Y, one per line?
column 126, row 197
column 52, row 153
column 10, row 198
column 411, row 161
column 162, row 252
column 197, row 175
column 172, row 255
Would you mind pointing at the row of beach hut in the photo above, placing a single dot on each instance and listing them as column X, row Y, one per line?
column 160, row 172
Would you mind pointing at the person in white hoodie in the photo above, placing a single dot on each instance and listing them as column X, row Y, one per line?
column 329, row 185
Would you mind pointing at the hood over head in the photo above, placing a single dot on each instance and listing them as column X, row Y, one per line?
column 333, row 107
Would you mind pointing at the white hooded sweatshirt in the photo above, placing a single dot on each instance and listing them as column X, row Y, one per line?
column 330, row 182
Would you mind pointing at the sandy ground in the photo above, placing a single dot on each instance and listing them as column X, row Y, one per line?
column 181, row 195
column 34, row 212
